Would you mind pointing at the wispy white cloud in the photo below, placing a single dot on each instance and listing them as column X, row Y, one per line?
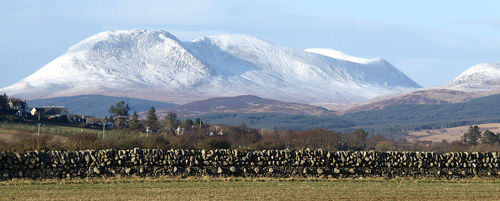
column 490, row 23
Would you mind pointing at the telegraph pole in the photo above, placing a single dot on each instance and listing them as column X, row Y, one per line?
column 39, row 124
column 38, row 128
column 103, row 129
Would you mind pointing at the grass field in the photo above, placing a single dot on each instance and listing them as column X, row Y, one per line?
column 10, row 133
column 250, row 189
column 62, row 131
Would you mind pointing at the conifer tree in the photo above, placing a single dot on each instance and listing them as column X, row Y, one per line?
column 134, row 122
column 188, row 124
column 489, row 137
column 472, row 136
column 170, row 122
column 3, row 104
column 120, row 109
column 198, row 123
column 151, row 118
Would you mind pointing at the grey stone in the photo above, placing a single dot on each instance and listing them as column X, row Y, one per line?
column 271, row 170
column 97, row 171
column 232, row 169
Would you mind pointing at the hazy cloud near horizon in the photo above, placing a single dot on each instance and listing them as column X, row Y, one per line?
column 431, row 42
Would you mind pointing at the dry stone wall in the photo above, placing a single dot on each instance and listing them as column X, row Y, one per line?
column 266, row 163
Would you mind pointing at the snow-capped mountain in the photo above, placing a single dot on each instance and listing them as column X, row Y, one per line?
column 480, row 77
column 155, row 65
column 478, row 81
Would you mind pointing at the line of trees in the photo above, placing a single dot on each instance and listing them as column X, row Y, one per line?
column 171, row 133
column 168, row 124
column 243, row 138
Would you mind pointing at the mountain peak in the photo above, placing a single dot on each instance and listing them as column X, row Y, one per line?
column 120, row 36
column 480, row 77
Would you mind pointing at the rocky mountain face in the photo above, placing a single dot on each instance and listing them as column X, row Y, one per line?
column 155, row 65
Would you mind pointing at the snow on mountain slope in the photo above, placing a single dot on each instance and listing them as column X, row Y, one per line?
column 338, row 55
column 292, row 73
column 116, row 63
column 155, row 65
column 480, row 77
column 478, row 81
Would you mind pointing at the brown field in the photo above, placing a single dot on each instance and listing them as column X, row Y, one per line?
column 12, row 135
column 7, row 135
column 449, row 134
column 250, row 189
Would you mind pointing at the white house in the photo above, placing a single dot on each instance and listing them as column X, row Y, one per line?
column 20, row 106
column 50, row 112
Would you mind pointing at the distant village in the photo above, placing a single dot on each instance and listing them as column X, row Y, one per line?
column 59, row 115
column 52, row 114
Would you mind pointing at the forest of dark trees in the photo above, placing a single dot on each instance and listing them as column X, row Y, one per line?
column 391, row 119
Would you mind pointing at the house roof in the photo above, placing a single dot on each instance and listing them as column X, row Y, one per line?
column 52, row 110
column 15, row 104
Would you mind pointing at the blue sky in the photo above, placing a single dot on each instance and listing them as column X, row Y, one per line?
column 430, row 41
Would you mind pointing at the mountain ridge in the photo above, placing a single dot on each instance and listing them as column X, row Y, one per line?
column 155, row 65
column 242, row 104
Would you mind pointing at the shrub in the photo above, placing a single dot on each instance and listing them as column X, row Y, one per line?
column 81, row 141
column 122, row 143
column 315, row 139
column 181, row 143
column 155, row 142
column 214, row 143
column 38, row 143
column 268, row 144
